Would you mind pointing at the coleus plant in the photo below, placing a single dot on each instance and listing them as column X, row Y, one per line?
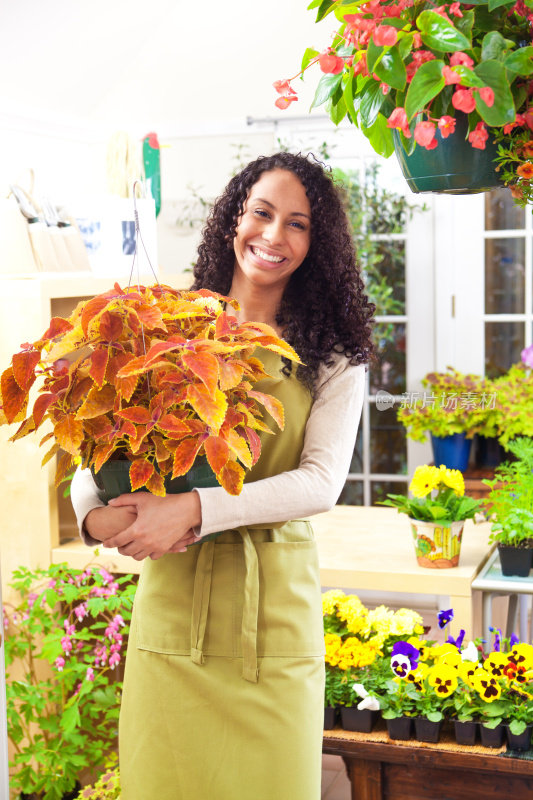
column 412, row 66
column 151, row 374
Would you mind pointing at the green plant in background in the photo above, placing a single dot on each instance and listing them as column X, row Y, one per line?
column 107, row 787
column 510, row 501
column 514, row 406
column 439, row 495
column 63, row 644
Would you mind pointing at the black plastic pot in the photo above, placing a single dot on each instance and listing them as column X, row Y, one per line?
column 355, row 719
column 519, row 741
column 453, row 167
column 465, row 732
column 515, row 560
column 330, row 717
column 426, row 730
column 488, row 452
column 453, row 451
column 400, row 727
column 492, row 737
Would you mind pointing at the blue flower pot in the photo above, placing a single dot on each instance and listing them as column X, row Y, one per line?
column 452, row 451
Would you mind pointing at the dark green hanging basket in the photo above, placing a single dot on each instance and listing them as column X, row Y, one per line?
column 453, row 167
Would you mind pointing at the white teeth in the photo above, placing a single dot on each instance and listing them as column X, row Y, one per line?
column 257, row 252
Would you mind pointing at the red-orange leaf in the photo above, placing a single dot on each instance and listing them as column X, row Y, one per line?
column 92, row 308
column 111, row 326
column 98, row 427
column 161, row 452
column 205, row 367
column 141, row 471
column 184, row 456
column 98, row 402
column 50, row 454
column 211, row 410
column 230, row 374
column 99, row 359
column 222, row 326
column 173, row 426
column 159, row 349
column 58, row 325
column 69, row 434
column 254, row 443
column 64, row 465
column 24, row 367
column 80, row 389
column 137, row 440
column 136, row 414
column 133, row 367
column 156, row 484
column 272, row 405
column 101, row 454
column 115, row 363
column 151, row 318
column 231, row 477
column 28, row 426
column 239, row 447
column 13, row 397
column 40, row 407
column 217, row 452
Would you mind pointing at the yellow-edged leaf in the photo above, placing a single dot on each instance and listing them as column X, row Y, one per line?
column 217, row 452
column 100, row 455
column 240, row 447
column 24, row 367
column 98, row 360
column 156, row 484
column 254, row 443
column 230, row 374
column 184, row 456
column 205, row 367
column 231, row 477
column 272, row 405
column 135, row 414
column 141, row 471
column 14, row 399
column 50, row 454
column 211, row 409
column 111, row 326
column 64, row 465
column 98, row 402
column 69, row 433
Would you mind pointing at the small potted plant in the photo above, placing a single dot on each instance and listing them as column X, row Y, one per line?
column 145, row 381
column 437, row 512
column 510, row 505
column 438, row 85
column 514, row 391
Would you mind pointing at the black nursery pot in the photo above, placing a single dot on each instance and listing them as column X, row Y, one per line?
column 426, row 730
column 330, row 717
column 519, row 741
column 400, row 728
column 361, row 720
column 492, row 737
column 465, row 732
column 515, row 560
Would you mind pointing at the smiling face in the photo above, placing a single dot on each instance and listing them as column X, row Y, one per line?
column 273, row 235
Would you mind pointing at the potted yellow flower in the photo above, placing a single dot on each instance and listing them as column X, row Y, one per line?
column 437, row 512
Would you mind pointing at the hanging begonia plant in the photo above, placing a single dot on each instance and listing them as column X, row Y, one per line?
column 411, row 66
column 151, row 374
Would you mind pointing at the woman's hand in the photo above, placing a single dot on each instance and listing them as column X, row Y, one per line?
column 103, row 522
column 162, row 524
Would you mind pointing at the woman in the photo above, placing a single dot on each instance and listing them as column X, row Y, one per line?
column 223, row 692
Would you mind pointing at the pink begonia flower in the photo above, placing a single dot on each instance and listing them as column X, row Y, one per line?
column 417, row 41
column 455, row 9
column 425, row 134
column 60, row 663
column 114, row 660
column 398, row 119
column 519, row 122
column 461, row 59
column 463, row 100
column 385, row 88
column 527, row 356
column 478, row 136
column 450, row 76
column 330, row 62
column 446, row 126
column 89, row 675
column 528, row 118
column 282, row 87
column 385, row 36
column 487, row 95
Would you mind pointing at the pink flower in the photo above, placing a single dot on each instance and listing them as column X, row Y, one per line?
column 80, row 611
column 446, row 125
column 66, row 644
column 330, row 62
column 417, row 41
column 487, row 95
column 462, row 59
column 60, row 663
column 89, row 675
column 425, row 134
column 282, row 87
column 32, row 597
column 69, row 629
column 455, row 9
column 463, row 100
column 478, row 136
column 385, row 36
column 527, row 356
column 52, row 584
column 118, row 621
column 450, row 76
column 114, row 660
column 528, row 118
column 398, row 120
column 385, row 88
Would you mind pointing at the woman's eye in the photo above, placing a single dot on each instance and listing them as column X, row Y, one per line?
column 260, row 212
column 298, row 225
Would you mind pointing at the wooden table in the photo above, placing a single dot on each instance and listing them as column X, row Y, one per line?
column 419, row 771
column 371, row 547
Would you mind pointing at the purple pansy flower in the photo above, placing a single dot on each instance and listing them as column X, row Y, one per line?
column 445, row 617
column 404, row 658
column 497, row 638
column 513, row 640
column 458, row 642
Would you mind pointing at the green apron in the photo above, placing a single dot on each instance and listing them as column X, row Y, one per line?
column 224, row 683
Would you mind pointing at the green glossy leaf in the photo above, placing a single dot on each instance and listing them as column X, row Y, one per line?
column 380, row 136
column 324, row 8
column 468, row 76
column 348, row 7
column 521, row 61
column 493, row 74
column 307, row 56
column 337, row 111
column 493, row 4
column 405, row 45
column 371, row 101
column 326, row 89
column 439, row 34
column 493, row 47
column 391, row 69
column 348, row 96
column 427, row 82
column 373, row 54
column 465, row 23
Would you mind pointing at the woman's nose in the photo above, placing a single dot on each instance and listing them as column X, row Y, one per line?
column 273, row 232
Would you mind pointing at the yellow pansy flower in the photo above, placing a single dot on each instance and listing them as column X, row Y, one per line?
column 486, row 685
column 467, row 670
column 522, row 655
column 443, row 678
column 495, row 664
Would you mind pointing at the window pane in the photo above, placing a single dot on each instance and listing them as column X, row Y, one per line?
column 380, row 489
column 357, row 458
column 388, row 451
column 388, row 374
column 501, row 212
column 391, row 272
column 504, row 276
column 352, row 494
column 504, row 341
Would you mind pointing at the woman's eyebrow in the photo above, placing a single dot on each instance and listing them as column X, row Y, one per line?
column 267, row 203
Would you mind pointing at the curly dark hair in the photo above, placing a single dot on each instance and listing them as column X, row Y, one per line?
column 324, row 308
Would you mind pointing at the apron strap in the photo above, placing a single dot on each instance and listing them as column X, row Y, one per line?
column 200, row 600
column 250, row 670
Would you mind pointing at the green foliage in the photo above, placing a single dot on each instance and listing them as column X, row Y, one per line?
column 399, row 699
column 510, row 501
column 107, row 787
column 62, row 646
